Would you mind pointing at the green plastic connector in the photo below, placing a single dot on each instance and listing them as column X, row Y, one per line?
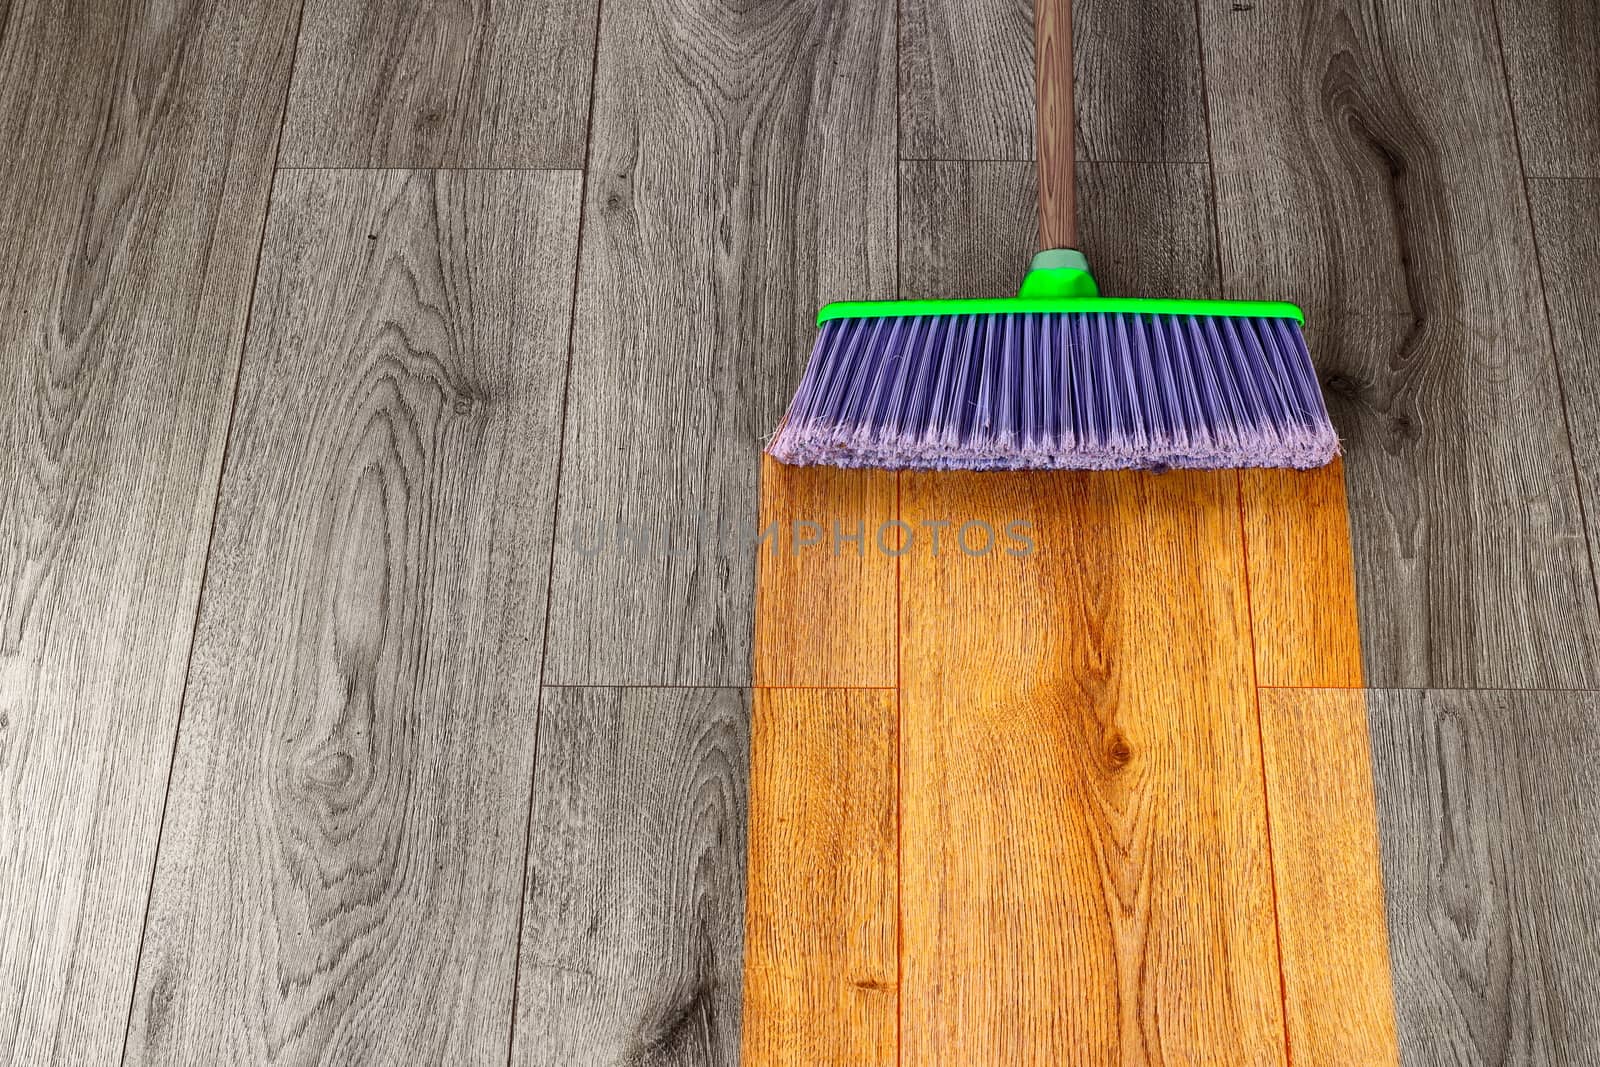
column 1058, row 280
column 1057, row 273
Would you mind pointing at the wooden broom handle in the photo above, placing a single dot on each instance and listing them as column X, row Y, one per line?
column 1052, row 59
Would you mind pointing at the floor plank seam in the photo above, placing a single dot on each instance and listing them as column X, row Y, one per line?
column 211, row 533
column 796, row 688
column 899, row 742
column 442, row 170
column 555, row 528
column 1261, row 753
column 1211, row 167
column 1082, row 162
column 1244, row 549
column 1317, row 688
column 522, row 891
column 703, row 688
column 1544, row 297
column 1430, row 689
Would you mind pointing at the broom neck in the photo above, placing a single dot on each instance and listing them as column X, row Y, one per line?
column 1052, row 51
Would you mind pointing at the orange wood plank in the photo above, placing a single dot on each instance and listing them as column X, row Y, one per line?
column 1338, row 999
column 1084, row 865
column 825, row 612
column 820, row 942
column 1302, row 579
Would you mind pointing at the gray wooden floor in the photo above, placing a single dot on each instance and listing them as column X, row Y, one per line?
column 385, row 383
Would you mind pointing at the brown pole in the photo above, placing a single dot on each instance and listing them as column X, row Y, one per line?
column 1052, row 57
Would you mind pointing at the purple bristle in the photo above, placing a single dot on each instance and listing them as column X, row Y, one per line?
column 1089, row 391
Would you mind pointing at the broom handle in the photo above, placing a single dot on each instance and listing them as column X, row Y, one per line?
column 1052, row 57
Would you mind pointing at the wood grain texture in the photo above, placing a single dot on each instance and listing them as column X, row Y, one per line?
column 1055, row 122
column 1302, row 582
column 1375, row 183
column 631, row 942
column 415, row 83
column 340, row 861
column 1057, row 711
column 966, row 229
column 1488, row 805
column 138, row 156
column 742, row 174
column 1084, row 858
column 1565, row 215
column 821, row 964
column 1552, row 59
column 969, row 229
column 1338, row 1000
column 967, row 81
column 825, row 577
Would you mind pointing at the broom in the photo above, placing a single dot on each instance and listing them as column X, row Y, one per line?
column 1058, row 376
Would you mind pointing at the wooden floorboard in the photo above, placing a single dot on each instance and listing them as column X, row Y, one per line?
column 967, row 80
column 742, row 174
column 1338, row 1001
column 1552, row 60
column 1139, row 91
column 1567, row 224
column 391, row 83
column 825, row 577
column 1080, row 776
column 966, row 229
column 969, row 229
column 341, row 855
column 1487, row 808
column 631, row 941
column 821, row 941
column 1084, row 860
column 134, row 180
column 1376, row 183
column 1302, row 581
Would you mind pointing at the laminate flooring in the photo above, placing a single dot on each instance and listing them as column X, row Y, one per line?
column 381, row 529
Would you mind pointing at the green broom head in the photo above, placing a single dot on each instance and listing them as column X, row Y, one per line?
column 1058, row 377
